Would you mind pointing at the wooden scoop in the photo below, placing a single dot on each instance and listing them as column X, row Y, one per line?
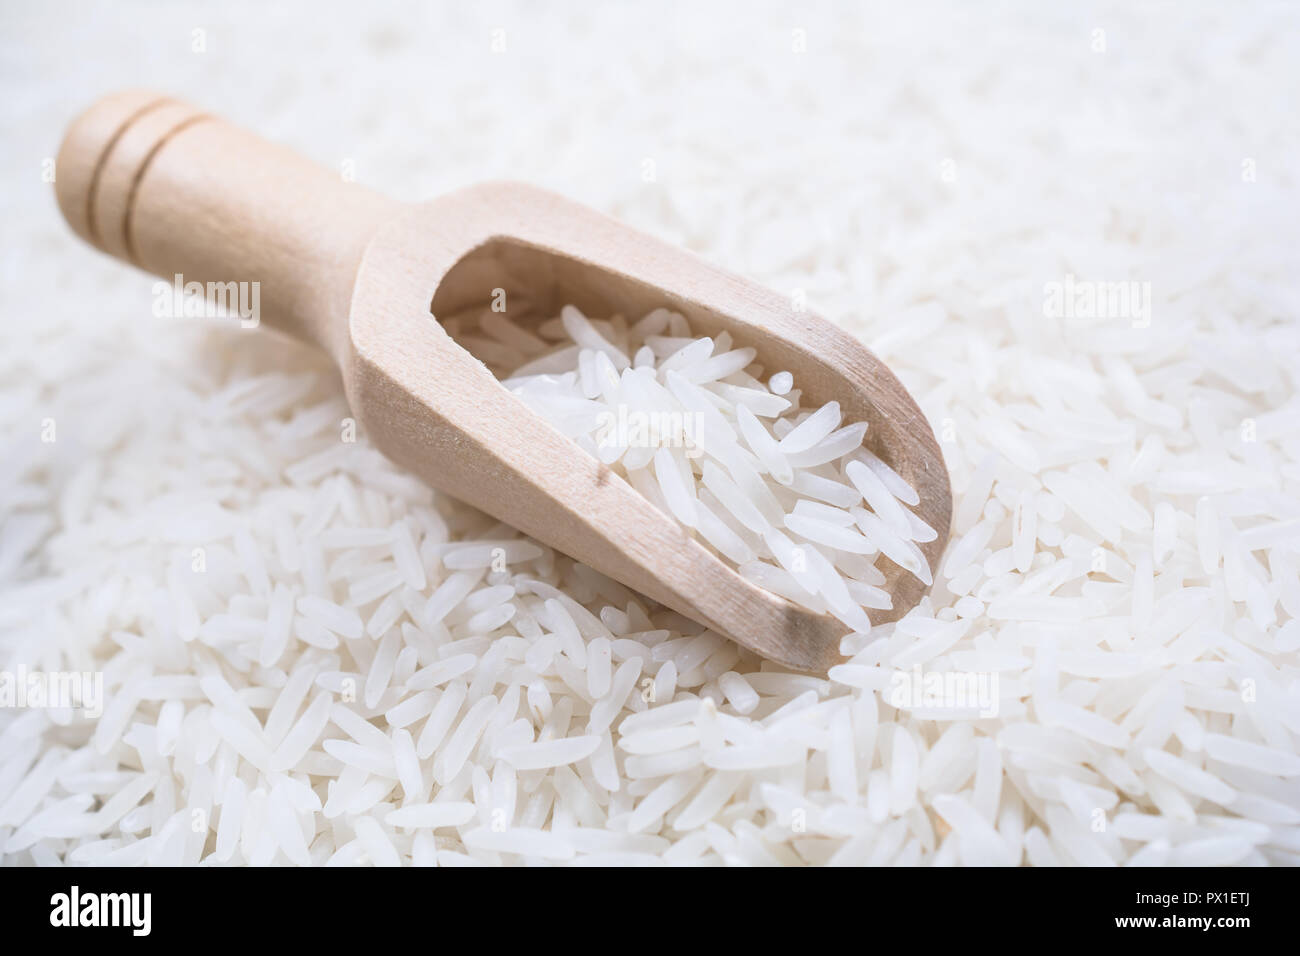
column 177, row 192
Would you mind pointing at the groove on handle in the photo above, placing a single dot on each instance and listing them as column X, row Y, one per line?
column 178, row 192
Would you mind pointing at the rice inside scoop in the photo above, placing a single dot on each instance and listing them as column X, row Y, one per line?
column 784, row 491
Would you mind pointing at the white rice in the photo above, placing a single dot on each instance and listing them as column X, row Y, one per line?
column 1125, row 491
column 729, row 454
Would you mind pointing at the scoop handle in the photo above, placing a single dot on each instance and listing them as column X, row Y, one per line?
column 190, row 198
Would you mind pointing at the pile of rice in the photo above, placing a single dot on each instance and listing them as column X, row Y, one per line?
column 308, row 656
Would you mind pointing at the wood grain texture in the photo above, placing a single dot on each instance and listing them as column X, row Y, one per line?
column 176, row 191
